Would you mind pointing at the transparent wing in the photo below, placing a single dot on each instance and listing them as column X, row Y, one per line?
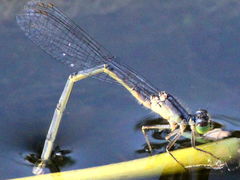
column 133, row 80
column 60, row 37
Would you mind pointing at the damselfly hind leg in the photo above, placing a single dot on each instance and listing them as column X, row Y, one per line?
column 156, row 127
column 176, row 134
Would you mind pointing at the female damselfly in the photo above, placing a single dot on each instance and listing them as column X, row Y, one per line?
column 60, row 37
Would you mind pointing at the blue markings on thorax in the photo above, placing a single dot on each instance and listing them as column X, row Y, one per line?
column 181, row 110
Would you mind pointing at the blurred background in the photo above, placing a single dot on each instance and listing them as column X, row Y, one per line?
column 187, row 48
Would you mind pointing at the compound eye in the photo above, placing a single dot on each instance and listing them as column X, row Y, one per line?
column 203, row 122
column 203, row 126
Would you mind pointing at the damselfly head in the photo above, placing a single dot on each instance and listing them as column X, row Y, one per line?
column 203, row 121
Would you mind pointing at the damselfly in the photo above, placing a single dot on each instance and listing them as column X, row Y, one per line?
column 60, row 37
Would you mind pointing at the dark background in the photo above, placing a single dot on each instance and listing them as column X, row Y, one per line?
column 188, row 48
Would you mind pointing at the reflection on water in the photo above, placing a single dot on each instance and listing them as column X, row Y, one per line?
column 59, row 158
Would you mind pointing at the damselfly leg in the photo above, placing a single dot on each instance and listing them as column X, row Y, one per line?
column 156, row 127
column 176, row 135
column 173, row 136
column 219, row 162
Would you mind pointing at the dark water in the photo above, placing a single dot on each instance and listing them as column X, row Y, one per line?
column 188, row 48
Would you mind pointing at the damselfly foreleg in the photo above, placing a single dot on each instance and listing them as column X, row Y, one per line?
column 193, row 142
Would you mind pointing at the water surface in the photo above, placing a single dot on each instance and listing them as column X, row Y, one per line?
column 190, row 49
